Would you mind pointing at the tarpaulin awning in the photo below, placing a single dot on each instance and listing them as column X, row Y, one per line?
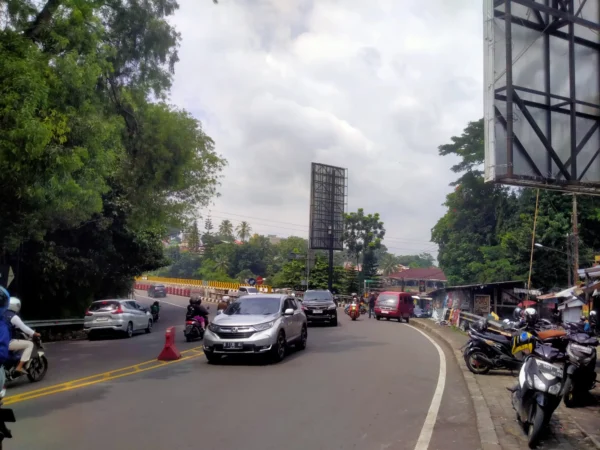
column 570, row 292
column 527, row 304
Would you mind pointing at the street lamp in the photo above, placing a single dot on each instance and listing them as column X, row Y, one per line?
column 537, row 244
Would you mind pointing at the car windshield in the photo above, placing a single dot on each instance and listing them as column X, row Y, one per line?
column 387, row 300
column 252, row 290
column 312, row 296
column 160, row 286
column 253, row 306
column 105, row 305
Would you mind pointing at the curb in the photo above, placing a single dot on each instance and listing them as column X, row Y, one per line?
column 485, row 425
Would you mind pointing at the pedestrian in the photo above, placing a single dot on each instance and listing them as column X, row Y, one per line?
column 371, row 304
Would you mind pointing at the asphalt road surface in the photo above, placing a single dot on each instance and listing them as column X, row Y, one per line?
column 363, row 385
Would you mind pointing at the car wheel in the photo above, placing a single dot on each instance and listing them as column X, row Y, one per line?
column 91, row 336
column 149, row 329
column 407, row 319
column 303, row 339
column 129, row 330
column 377, row 318
column 212, row 358
column 279, row 348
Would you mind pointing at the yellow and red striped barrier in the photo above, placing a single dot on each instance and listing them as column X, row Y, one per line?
column 182, row 284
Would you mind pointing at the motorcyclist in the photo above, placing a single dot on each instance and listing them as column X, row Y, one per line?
column 196, row 309
column 594, row 320
column 224, row 303
column 155, row 308
column 18, row 328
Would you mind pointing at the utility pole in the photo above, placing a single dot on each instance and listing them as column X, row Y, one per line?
column 569, row 259
column 575, row 242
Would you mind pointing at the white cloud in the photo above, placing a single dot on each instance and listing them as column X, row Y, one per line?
column 371, row 86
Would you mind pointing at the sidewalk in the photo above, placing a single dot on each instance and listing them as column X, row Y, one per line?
column 577, row 428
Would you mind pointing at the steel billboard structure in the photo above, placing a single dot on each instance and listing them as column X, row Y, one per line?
column 542, row 93
column 328, row 202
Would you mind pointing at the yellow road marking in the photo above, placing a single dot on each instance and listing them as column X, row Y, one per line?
column 99, row 378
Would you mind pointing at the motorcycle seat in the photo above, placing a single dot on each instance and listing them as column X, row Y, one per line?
column 496, row 338
column 550, row 334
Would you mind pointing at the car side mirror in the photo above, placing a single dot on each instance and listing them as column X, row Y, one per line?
column 288, row 312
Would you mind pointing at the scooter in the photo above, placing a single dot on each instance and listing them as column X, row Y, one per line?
column 155, row 311
column 35, row 368
column 193, row 329
column 486, row 351
column 6, row 414
column 354, row 312
column 541, row 383
column 581, row 367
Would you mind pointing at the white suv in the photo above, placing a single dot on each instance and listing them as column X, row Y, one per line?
column 257, row 324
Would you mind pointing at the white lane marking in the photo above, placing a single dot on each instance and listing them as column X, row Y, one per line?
column 160, row 301
column 434, row 408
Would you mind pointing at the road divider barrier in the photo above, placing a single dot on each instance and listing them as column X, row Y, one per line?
column 179, row 282
column 169, row 352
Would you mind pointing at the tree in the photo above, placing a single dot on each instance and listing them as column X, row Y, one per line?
column 243, row 230
column 226, row 230
column 362, row 232
column 96, row 165
column 350, row 281
column 208, row 225
column 193, row 238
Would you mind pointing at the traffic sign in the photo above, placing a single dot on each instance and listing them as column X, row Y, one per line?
column 6, row 275
column 259, row 280
column 251, row 281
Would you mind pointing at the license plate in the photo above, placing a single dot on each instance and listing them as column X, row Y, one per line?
column 233, row 345
column 317, row 311
column 102, row 319
column 385, row 312
column 582, row 348
column 552, row 369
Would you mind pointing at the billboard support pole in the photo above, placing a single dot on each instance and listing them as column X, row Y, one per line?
column 575, row 243
column 509, row 90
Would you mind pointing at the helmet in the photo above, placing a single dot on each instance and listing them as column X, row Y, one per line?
column 506, row 321
column 192, row 301
column 198, row 301
column 225, row 298
column 531, row 315
column 4, row 297
column 480, row 325
column 593, row 313
column 583, row 318
column 15, row 304
column 517, row 313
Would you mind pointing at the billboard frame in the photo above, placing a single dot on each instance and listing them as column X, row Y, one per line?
column 328, row 206
column 549, row 18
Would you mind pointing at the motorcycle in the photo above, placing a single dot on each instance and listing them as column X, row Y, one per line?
column 193, row 329
column 541, row 383
column 155, row 311
column 486, row 351
column 35, row 368
column 581, row 367
column 354, row 312
column 6, row 415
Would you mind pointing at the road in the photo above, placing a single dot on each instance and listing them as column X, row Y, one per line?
column 362, row 385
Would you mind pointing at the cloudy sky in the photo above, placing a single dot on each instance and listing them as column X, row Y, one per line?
column 375, row 86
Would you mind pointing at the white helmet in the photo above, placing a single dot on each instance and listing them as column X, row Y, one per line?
column 225, row 298
column 15, row 304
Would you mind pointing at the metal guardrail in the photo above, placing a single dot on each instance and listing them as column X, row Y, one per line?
column 53, row 323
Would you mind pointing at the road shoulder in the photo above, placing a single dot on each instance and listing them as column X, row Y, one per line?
column 496, row 423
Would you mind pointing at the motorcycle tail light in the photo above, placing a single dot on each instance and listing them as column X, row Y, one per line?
column 189, row 322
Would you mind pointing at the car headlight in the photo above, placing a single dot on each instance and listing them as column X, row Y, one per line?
column 332, row 307
column 264, row 326
column 214, row 328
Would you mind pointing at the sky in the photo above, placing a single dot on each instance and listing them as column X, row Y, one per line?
column 373, row 86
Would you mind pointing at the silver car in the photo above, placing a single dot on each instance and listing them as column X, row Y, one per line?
column 121, row 315
column 257, row 324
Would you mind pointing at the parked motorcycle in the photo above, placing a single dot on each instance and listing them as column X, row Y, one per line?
column 581, row 367
column 354, row 311
column 541, row 383
column 193, row 329
column 36, row 367
column 486, row 351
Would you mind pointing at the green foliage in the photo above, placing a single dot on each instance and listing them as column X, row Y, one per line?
column 95, row 167
column 362, row 232
column 485, row 235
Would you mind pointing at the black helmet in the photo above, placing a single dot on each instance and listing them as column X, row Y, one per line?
column 517, row 313
column 192, row 301
column 480, row 325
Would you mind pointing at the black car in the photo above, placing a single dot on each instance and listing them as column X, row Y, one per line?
column 319, row 306
column 157, row 290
